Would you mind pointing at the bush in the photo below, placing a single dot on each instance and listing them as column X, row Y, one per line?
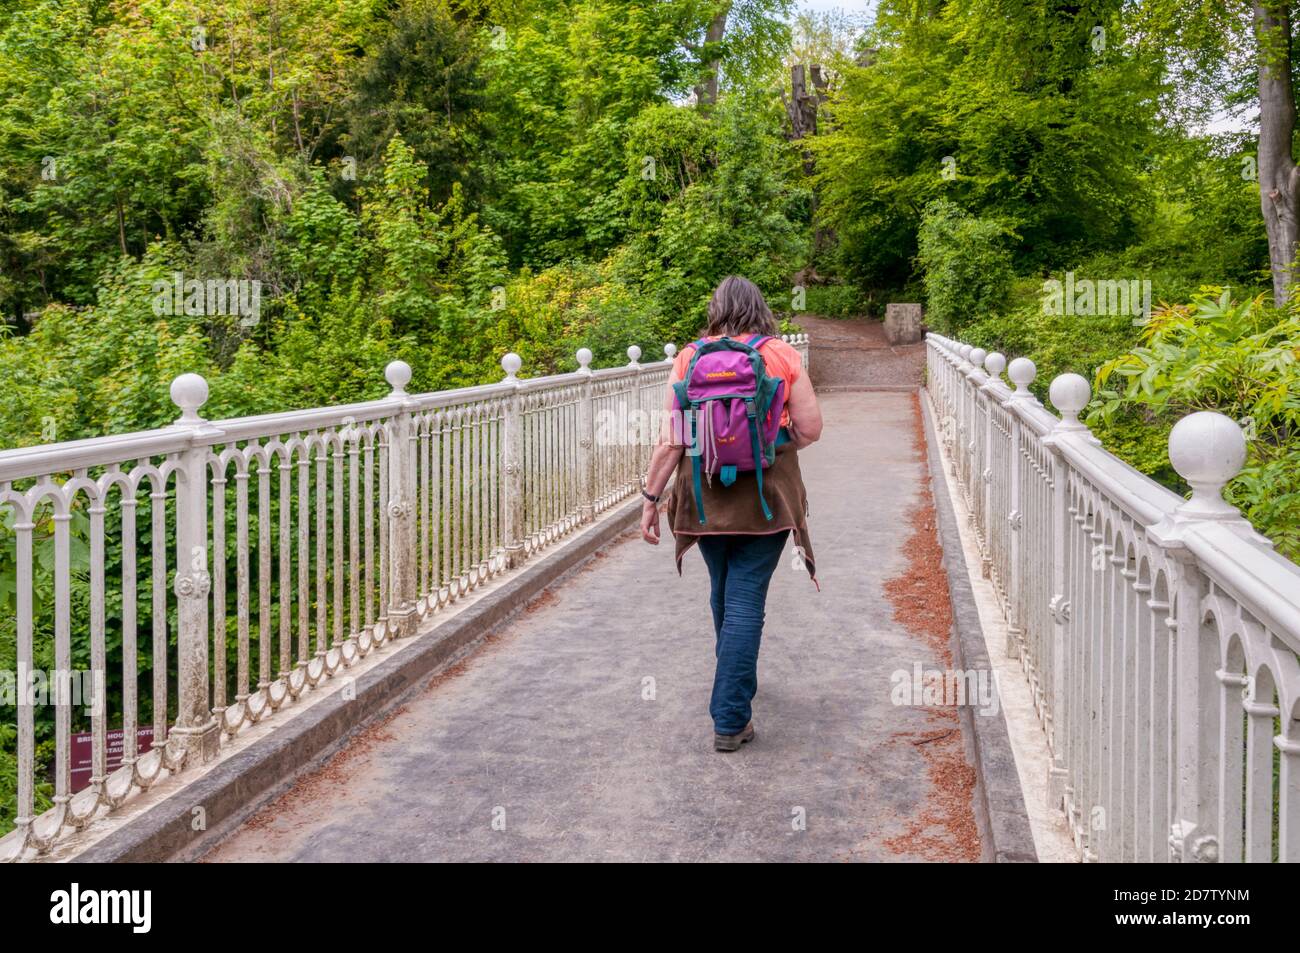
column 835, row 301
column 967, row 266
column 741, row 214
column 1062, row 344
column 1236, row 357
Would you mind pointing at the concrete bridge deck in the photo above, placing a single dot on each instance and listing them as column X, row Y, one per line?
column 548, row 744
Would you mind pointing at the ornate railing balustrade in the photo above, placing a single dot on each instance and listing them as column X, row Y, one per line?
column 213, row 572
column 1159, row 635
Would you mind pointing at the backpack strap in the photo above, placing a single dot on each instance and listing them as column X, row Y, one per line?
column 758, row 340
column 679, row 389
column 696, row 483
column 766, row 393
column 752, row 415
column 698, row 487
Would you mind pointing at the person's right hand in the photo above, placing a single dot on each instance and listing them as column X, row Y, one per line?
column 650, row 522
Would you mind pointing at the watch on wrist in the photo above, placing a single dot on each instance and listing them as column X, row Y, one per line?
column 650, row 496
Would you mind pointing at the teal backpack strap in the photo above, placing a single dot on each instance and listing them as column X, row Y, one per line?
column 698, row 486
column 696, row 481
column 679, row 389
column 766, row 393
column 758, row 465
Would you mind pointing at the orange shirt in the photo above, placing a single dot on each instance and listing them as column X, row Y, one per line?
column 780, row 358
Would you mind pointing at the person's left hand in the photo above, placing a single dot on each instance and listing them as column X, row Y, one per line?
column 650, row 522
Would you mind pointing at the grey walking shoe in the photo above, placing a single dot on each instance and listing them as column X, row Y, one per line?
column 732, row 742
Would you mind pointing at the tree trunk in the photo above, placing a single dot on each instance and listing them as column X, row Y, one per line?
column 706, row 90
column 802, row 112
column 121, row 224
column 1278, row 176
column 801, row 109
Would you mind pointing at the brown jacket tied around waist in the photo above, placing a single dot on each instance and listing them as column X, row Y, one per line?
column 736, row 509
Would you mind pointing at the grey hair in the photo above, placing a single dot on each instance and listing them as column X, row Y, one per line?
column 737, row 308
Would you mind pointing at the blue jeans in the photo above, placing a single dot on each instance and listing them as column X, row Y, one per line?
column 740, row 568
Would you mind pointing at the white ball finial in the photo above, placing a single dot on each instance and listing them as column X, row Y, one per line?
column 1022, row 372
column 511, row 364
column 1208, row 450
column 965, row 351
column 398, row 375
column 995, row 364
column 633, row 355
column 1069, row 394
column 670, row 351
column 977, row 356
column 584, row 359
column 189, row 393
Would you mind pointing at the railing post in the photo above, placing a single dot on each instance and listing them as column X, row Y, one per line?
column 993, row 366
column 964, row 421
column 1021, row 371
column 512, row 469
column 956, row 394
column 195, row 737
column 1069, row 393
column 401, row 505
column 632, row 412
column 586, row 441
column 1207, row 450
column 975, row 378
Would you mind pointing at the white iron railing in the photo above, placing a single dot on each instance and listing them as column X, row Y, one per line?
column 335, row 531
column 1159, row 635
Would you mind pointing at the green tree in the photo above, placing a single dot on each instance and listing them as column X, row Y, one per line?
column 425, row 81
column 1016, row 113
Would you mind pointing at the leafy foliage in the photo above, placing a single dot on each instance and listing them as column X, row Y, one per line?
column 433, row 180
column 1238, row 357
column 967, row 265
column 1006, row 111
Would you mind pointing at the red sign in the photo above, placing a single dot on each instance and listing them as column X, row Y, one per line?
column 83, row 749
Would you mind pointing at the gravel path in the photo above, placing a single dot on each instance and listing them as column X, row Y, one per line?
column 853, row 353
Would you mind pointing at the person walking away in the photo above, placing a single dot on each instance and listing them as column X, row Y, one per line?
column 739, row 408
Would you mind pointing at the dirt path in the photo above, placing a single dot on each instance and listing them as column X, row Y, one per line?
column 853, row 352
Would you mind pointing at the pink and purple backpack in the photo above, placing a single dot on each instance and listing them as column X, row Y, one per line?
column 731, row 412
